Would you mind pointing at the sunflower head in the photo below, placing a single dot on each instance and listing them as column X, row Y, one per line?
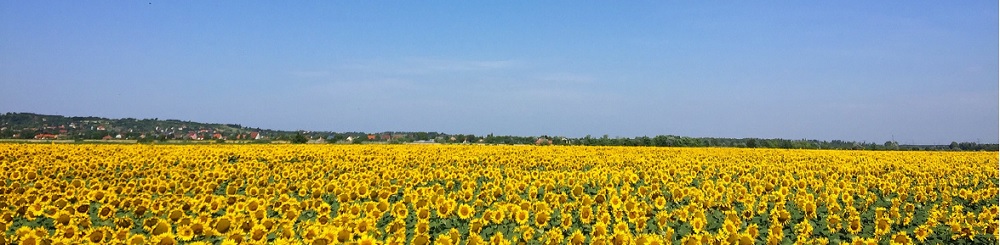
column 599, row 229
column 542, row 219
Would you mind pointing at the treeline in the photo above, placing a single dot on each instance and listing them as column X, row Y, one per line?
column 657, row 141
column 681, row 141
column 31, row 126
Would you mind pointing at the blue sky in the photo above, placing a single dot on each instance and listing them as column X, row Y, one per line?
column 922, row 72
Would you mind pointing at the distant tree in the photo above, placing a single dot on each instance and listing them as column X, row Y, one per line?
column 891, row 145
column 752, row 143
column 299, row 139
column 335, row 138
column 954, row 146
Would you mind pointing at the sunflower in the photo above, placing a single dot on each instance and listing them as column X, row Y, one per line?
column 398, row 238
column 804, row 229
column 82, row 208
column 698, row 224
column 497, row 216
column 882, row 226
column 355, row 210
column 900, row 238
column 62, row 218
column 961, row 230
column 444, row 209
column 396, row 225
column 476, row 225
column 498, row 239
column 854, row 225
column 527, row 233
column 223, row 224
column 366, row 240
column 173, row 214
column 659, row 203
column 775, row 234
column 922, row 232
column 199, row 228
column 577, row 191
column 864, row 241
column 443, row 239
column 622, row 238
column 782, row 216
column 810, row 210
column 729, row 226
column 67, row 231
column 599, row 229
column 542, row 219
column 566, row 223
column 424, row 214
column 344, row 235
column 833, row 222
column 455, row 235
column 399, row 210
column 120, row 235
column 521, row 217
column 586, row 215
column 30, row 239
column 98, row 235
column 641, row 223
column 553, row 236
column 161, row 227
column 633, row 215
column 163, row 239
column 465, row 211
column 420, row 239
column 599, row 240
column 475, row 239
column 577, row 237
column 364, row 225
column 422, row 227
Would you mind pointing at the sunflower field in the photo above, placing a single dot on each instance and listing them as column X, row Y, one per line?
column 474, row 194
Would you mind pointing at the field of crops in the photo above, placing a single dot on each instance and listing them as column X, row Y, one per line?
column 409, row 194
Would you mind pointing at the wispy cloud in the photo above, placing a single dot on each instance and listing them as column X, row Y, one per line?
column 423, row 64
column 310, row 74
column 429, row 65
column 565, row 77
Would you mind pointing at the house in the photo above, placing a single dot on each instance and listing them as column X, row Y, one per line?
column 46, row 136
column 256, row 135
column 106, row 137
column 193, row 136
column 101, row 128
column 217, row 136
column 371, row 136
column 119, row 136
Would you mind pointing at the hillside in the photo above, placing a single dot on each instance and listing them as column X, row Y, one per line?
column 38, row 126
column 30, row 126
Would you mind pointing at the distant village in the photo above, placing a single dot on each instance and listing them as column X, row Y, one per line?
column 28, row 126
column 104, row 131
